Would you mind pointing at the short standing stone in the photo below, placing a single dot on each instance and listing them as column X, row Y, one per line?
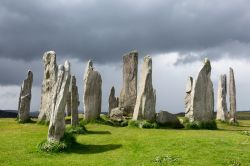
column 188, row 98
column 232, row 96
column 92, row 97
column 203, row 95
column 74, row 102
column 166, row 118
column 222, row 99
column 48, row 84
column 116, row 113
column 57, row 121
column 128, row 93
column 25, row 98
column 146, row 99
column 113, row 101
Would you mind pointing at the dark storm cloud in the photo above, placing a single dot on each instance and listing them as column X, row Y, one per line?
column 104, row 30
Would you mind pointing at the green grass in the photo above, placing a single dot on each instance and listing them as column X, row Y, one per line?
column 119, row 146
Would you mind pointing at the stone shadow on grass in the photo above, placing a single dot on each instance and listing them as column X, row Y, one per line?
column 98, row 132
column 92, row 149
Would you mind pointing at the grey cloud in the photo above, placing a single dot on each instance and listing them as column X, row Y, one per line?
column 104, row 30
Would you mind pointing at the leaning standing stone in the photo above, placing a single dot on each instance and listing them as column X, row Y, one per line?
column 74, row 102
column 222, row 99
column 232, row 96
column 25, row 98
column 188, row 98
column 57, row 121
column 146, row 99
column 48, row 84
column 92, row 97
column 128, row 93
column 203, row 95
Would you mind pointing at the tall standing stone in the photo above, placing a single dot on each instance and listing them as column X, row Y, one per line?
column 74, row 102
column 57, row 121
column 48, row 84
column 128, row 93
column 113, row 101
column 232, row 96
column 203, row 95
column 146, row 99
column 188, row 98
column 222, row 99
column 68, row 105
column 25, row 98
column 92, row 95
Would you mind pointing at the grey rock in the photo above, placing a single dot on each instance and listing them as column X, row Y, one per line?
column 188, row 98
column 68, row 105
column 25, row 98
column 232, row 96
column 57, row 121
column 74, row 102
column 146, row 99
column 113, row 101
column 128, row 93
column 203, row 95
column 92, row 97
column 222, row 99
column 48, row 84
column 116, row 114
column 166, row 118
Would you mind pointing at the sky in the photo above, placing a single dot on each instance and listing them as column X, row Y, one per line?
column 178, row 35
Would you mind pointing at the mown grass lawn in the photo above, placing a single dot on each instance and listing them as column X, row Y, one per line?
column 106, row 145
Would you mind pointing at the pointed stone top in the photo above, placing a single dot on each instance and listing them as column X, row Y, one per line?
column 61, row 67
column 206, row 61
column 67, row 66
column 230, row 68
column 49, row 56
column 90, row 64
column 50, row 52
column 189, row 84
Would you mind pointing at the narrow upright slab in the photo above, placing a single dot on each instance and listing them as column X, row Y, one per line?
column 222, row 99
column 232, row 96
column 74, row 102
column 128, row 93
column 146, row 99
column 57, row 121
column 25, row 98
column 203, row 95
column 188, row 98
column 48, row 84
column 92, row 95
column 113, row 101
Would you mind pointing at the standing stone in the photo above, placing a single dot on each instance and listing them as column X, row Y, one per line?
column 74, row 102
column 128, row 93
column 188, row 98
column 92, row 96
column 113, row 101
column 222, row 99
column 57, row 121
column 68, row 105
column 232, row 96
column 146, row 99
column 166, row 118
column 203, row 95
column 25, row 98
column 48, row 84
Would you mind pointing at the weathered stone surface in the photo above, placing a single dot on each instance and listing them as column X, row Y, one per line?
column 188, row 98
column 222, row 99
column 92, row 97
column 49, row 81
column 25, row 98
column 164, row 117
column 203, row 95
column 74, row 102
column 61, row 90
column 146, row 99
column 116, row 114
column 113, row 101
column 128, row 93
column 232, row 96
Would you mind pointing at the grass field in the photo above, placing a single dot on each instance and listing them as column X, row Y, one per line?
column 106, row 145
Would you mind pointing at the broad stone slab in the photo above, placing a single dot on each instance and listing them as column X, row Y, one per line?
column 166, row 118
column 92, row 97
